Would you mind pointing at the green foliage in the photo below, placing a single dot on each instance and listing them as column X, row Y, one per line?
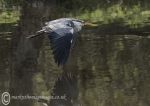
column 134, row 16
column 9, row 16
column 11, row 3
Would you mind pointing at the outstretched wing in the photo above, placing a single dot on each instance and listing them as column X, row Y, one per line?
column 61, row 40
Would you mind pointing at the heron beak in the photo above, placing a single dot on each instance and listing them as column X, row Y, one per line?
column 90, row 24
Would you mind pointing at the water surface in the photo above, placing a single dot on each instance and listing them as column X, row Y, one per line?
column 102, row 70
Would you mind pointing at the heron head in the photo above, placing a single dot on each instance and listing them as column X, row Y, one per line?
column 78, row 24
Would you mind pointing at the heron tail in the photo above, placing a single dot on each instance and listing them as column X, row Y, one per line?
column 40, row 32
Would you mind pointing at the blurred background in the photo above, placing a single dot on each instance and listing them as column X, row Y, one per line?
column 108, row 66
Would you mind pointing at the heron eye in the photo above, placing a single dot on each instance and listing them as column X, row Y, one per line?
column 68, row 24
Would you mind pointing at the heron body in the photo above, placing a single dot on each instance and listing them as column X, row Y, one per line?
column 73, row 24
column 61, row 33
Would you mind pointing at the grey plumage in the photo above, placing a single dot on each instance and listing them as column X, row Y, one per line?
column 61, row 33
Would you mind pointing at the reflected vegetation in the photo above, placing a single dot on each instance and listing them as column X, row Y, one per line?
column 108, row 66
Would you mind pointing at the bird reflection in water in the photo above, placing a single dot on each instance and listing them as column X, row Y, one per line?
column 65, row 90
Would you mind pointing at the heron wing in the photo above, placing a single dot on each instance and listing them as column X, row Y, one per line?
column 61, row 40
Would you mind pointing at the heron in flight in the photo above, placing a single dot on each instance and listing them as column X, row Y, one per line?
column 62, row 33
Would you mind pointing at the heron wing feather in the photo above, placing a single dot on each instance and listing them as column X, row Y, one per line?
column 61, row 43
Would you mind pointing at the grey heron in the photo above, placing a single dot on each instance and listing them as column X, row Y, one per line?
column 62, row 33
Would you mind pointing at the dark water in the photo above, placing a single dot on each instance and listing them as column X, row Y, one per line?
column 102, row 70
